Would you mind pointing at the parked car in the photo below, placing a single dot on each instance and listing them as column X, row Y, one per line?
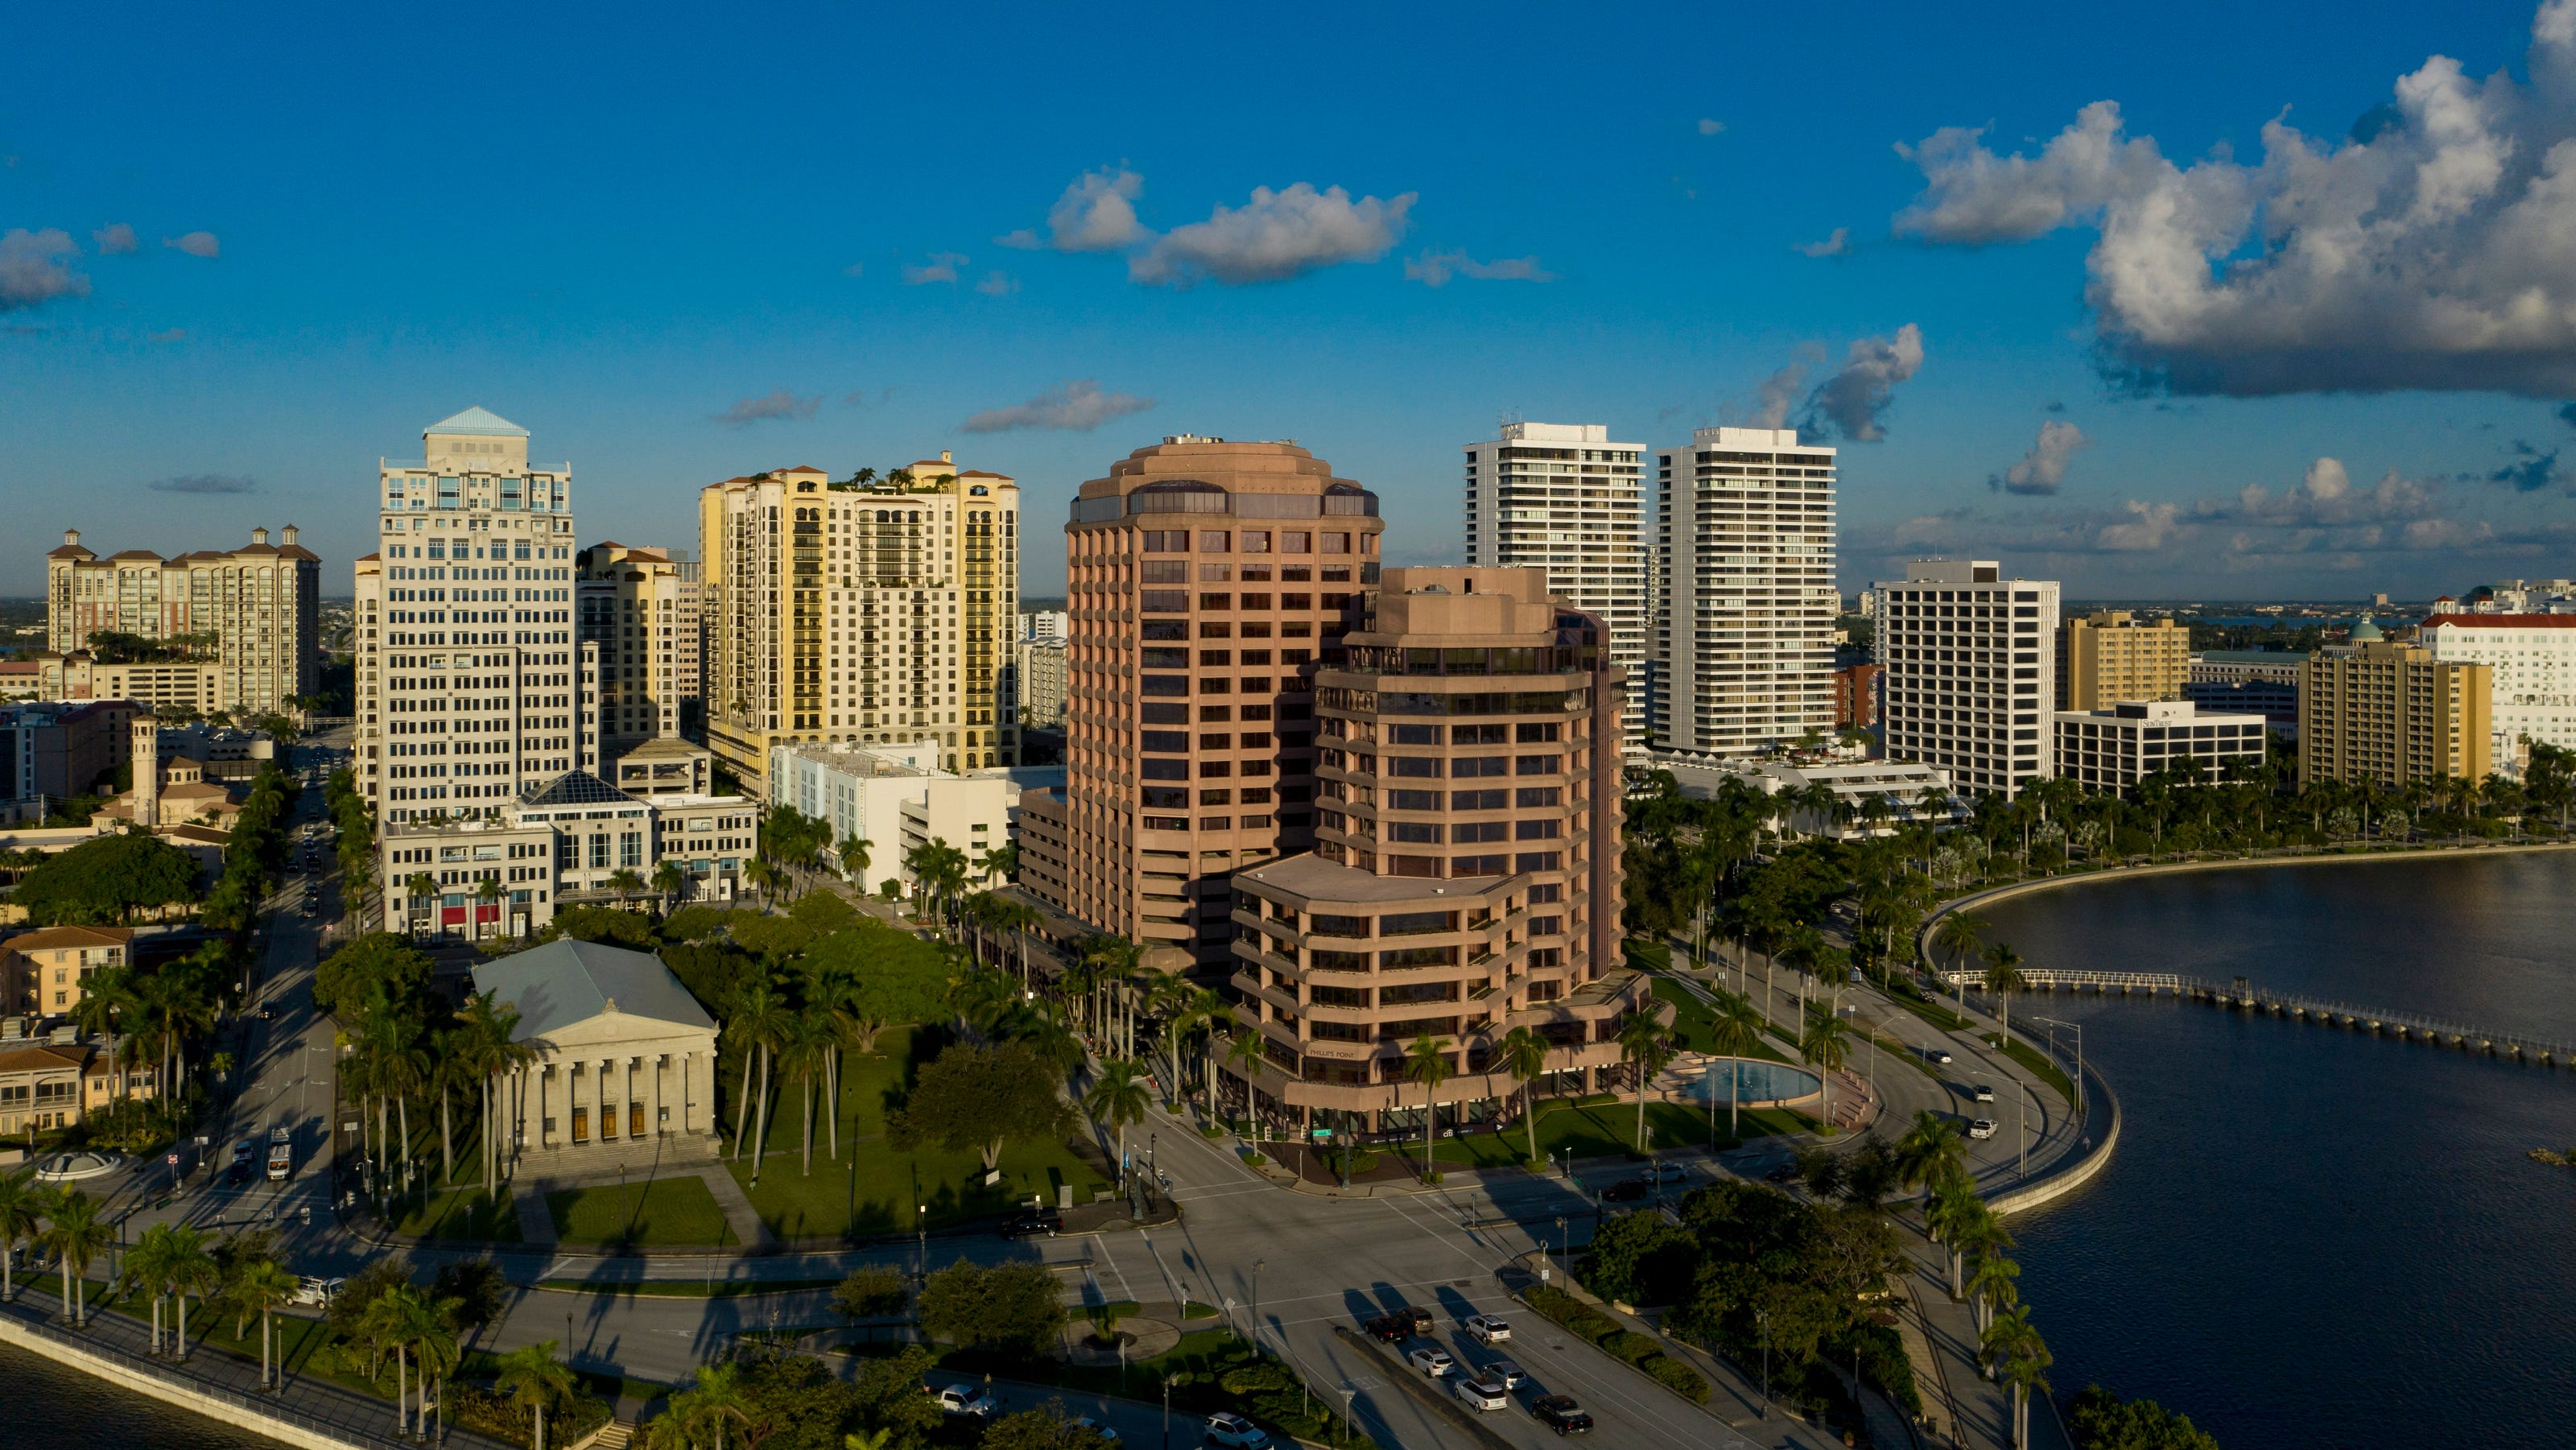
column 1232, row 1430
column 1488, row 1329
column 1085, row 1422
column 316, row 1293
column 1394, row 1329
column 1665, row 1173
column 1481, row 1394
column 960, row 1400
column 1984, row 1092
column 1415, row 1315
column 1561, row 1414
column 1781, row 1173
column 1034, row 1223
column 1432, row 1360
column 1982, row 1128
column 1505, row 1373
column 1626, row 1190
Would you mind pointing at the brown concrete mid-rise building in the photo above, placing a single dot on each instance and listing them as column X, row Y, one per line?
column 2394, row 714
column 1207, row 582
column 1465, row 874
column 2111, row 656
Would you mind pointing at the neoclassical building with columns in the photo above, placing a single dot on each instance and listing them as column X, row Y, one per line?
column 624, row 1066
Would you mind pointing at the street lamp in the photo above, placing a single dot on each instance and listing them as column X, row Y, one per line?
column 1560, row 1244
column 921, row 1234
column 2078, row 1029
column 1763, row 1317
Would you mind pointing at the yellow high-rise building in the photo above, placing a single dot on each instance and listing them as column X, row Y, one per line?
column 871, row 610
column 2393, row 714
column 2109, row 656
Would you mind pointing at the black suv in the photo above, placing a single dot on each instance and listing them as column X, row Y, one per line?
column 1561, row 1414
column 1037, row 1223
column 1392, row 1328
column 1626, row 1190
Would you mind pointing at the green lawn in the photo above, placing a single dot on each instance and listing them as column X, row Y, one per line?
column 674, row 1211
column 2037, row 1063
column 1601, row 1129
column 461, row 1214
column 1693, row 1021
column 874, row 1189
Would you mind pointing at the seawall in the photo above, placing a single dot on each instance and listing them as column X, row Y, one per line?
column 196, row 1399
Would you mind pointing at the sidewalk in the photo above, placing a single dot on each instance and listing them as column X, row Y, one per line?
column 309, row 1403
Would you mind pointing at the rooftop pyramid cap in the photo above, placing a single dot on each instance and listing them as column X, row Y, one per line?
column 478, row 420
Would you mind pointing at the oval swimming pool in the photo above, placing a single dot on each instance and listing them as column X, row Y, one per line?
column 1756, row 1080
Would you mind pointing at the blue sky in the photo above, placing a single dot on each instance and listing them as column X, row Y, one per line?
column 638, row 230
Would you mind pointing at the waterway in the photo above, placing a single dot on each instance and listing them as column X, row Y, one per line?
column 2309, row 1236
column 57, row 1405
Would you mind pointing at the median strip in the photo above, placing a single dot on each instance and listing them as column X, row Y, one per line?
column 1446, row 1406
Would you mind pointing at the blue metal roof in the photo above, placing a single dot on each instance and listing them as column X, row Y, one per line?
column 478, row 420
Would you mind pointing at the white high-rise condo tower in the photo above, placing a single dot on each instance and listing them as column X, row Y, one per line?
column 472, row 685
column 1562, row 497
column 1970, row 671
column 1745, row 596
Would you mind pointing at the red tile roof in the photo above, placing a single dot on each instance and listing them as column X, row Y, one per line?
column 2501, row 621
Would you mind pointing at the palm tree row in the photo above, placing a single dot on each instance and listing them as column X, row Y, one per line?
column 1973, row 1240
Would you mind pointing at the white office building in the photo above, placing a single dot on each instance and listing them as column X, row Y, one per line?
column 1743, row 618
column 2111, row 750
column 1044, row 626
column 2533, row 659
column 1562, row 497
column 894, row 797
column 1970, row 671
column 472, row 687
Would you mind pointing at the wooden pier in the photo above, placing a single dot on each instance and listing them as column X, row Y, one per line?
column 2241, row 995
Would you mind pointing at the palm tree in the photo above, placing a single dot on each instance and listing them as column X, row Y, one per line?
column 1827, row 1046
column 1645, row 1044
column 759, row 1015
column 395, row 1321
column 1523, row 1054
column 1191, row 1011
column 77, row 1236
column 2003, row 978
column 668, row 882
column 1427, row 1062
column 1991, row 1286
column 420, row 893
column 21, row 1212
column 1734, row 1032
column 147, row 1268
column 480, row 1043
column 264, row 1284
column 1980, row 1233
column 1117, row 1100
column 435, row 1355
column 854, row 857
column 806, row 1048
column 189, row 1270
column 1961, row 935
column 2021, row 1358
column 1002, row 863
column 535, row 1381
column 1931, row 1153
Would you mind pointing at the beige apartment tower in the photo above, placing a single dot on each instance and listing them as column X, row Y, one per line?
column 1744, row 588
column 869, row 611
column 471, row 686
column 642, row 606
column 1566, row 498
column 1465, row 876
column 2111, row 655
column 1207, row 582
column 246, row 622
column 2394, row 715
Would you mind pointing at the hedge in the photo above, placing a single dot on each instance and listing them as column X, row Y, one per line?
column 1625, row 1345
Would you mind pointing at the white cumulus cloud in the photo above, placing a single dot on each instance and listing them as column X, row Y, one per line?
column 2435, row 247
column 2043, row 468
column 1274, row 236
column 1835, row 245
column 940, row 267
column 195, row 244
column 1079, row 406
column 116, row 239
column 1434, row 269
column 997, row 284
column 2148, row 527
column 1097, row 213
column 1709, row 126
column 33, row 270
column 1852, row 401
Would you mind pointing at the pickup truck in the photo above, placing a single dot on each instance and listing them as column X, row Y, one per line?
column 281, row 1154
